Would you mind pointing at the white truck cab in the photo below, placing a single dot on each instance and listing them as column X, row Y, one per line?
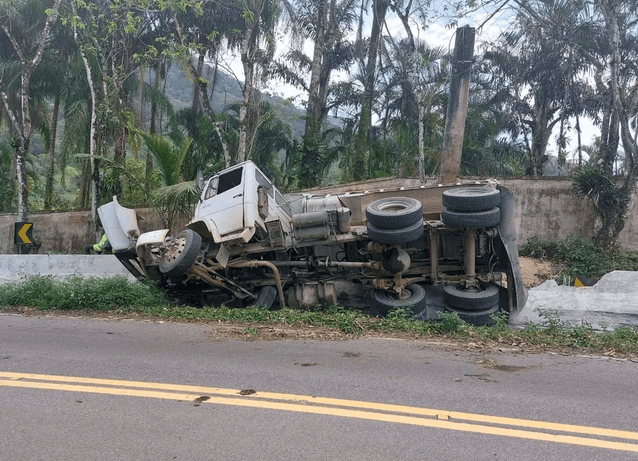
column 237, row 203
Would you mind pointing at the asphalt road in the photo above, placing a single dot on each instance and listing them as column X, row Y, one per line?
column 93, row 389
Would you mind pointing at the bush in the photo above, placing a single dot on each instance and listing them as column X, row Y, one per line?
column 579, row 257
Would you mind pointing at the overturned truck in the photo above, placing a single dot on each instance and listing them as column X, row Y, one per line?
column 427, row 248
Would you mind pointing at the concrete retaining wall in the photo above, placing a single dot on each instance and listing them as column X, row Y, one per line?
column 545, row 208
column 65, row 232
column 13, row 268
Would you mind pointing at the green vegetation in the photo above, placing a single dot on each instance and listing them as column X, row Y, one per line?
column 77, row 293
column 118, row 296
column 573, row 256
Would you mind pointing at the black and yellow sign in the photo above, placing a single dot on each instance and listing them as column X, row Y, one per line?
column 23, row 233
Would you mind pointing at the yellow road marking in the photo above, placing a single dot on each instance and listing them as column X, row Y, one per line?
column 440, row 419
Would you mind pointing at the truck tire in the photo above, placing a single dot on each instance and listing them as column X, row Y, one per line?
column 478, row 318
column 457, row 298
column 471, row 198
column 182, row 254
column 386, row 300
column 475, row 219
column 266, row 297
column 394, row 212
column 392, row 236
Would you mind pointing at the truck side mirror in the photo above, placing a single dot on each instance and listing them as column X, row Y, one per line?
column 199, row 181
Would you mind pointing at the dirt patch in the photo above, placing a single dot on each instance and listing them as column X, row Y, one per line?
column 255, row 332
column 536, row 271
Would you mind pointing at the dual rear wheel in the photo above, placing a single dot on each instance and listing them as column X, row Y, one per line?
column 471, row 207
column 474, row 306
column 392, row 221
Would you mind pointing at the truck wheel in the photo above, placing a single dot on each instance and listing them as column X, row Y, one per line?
column 471, row 198
column 181, row 255
column 266, row 298
column 394, row 212
column 387, row 300
column 392, row 236
column 478, row 318
column 458, row 298
column 475, row 219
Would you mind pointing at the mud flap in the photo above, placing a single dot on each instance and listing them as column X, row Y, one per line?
column 508, row 254
column 129, row 260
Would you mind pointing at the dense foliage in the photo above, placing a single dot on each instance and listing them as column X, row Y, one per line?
column 90, row 106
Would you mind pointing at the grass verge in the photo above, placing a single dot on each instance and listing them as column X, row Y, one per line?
column 117, row 295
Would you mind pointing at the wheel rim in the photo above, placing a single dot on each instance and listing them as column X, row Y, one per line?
column 175, row 250
column 393, row 207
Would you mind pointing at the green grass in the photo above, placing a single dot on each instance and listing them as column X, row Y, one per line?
column 575, row 256
column 118, row 295
column 77, row 293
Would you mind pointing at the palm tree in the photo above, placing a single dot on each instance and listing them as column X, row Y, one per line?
column 62, row 52
column 175, row 199
column 28, row 31
column 327, row 23
column 540, row 59
column 361, row 146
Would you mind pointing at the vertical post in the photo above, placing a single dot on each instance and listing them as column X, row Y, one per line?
column 457, row 105
column 470, row 256
column 434, row 256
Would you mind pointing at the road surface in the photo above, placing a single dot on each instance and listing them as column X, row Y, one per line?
column 78, row 389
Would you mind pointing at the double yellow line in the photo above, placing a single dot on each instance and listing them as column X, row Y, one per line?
column 610, row 439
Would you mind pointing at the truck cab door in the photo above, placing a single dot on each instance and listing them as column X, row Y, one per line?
column 223, row 201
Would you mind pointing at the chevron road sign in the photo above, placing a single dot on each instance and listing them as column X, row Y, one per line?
column 23, row 234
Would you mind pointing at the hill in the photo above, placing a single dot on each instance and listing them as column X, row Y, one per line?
column 226, row 90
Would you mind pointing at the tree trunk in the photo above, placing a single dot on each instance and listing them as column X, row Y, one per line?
column 309, row 164
column 421, row 159
column 156, row 84
column 452, row 150
column 48, row 189
column 121, row 132
column 196, row 96
column 153, row 127
column 141, row 124
column 94, row 171
column 361, row 147
column 326, row 70
column 614, row 217
column 208, row 108
column 21, row 174
column 248, row 56
column 312, row 115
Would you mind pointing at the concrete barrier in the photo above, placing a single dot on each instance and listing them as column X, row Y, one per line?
column 610, row 303
column 15, row 267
